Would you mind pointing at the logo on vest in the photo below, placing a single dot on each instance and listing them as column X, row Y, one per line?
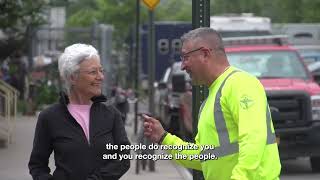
column 246, row 102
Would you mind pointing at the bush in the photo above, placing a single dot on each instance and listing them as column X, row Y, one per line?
column 47, row 94
column 22, row 106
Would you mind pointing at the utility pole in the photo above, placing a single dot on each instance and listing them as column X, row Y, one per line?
column 151, row 4
column 200, row 18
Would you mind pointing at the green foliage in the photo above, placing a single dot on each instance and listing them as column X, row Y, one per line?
column 178, row 10
column 15, row 18
column 82, row 18
column 288, row 11
column 18, row 14
column 22, row 106
column 118, row 13
column 122, row 14
column 78, row 5
column 311, row 11
column 47, row 94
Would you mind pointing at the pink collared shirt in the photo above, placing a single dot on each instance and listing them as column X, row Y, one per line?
column 81, row 113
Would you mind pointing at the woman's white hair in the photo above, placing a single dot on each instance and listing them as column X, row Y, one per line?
column 70, row 59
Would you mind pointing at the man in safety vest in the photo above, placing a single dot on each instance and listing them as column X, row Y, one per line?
column 235, row 137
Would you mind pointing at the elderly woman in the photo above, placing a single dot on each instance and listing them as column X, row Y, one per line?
column 78, row 128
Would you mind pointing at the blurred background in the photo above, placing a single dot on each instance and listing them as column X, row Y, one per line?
column 33, row 34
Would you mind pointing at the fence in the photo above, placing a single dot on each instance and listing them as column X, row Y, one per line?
column 8, row 111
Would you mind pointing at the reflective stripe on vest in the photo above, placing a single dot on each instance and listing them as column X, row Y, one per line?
column 271, row 137
column 201, row 107
column 227, row 148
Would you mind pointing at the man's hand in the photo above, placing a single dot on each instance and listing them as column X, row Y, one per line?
column 153, row 130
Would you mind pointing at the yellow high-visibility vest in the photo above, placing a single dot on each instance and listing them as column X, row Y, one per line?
column 236, row 120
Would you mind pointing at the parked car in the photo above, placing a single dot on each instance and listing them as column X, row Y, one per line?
column 292, row 93
column 311, row 57
column 309, row 53
column 314, row 68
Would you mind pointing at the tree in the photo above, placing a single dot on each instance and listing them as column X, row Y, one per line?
column 16, row 16
column 121, row 14
column 178, row 10
column 311, row 12
column 118, row 13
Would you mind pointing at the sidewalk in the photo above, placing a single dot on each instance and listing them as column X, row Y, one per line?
column 164, row 170
column 14, row 158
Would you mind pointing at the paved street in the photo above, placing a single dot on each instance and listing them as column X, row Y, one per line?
column 14, row 159
column 297, row 170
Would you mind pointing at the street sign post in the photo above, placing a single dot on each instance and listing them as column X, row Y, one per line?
column 136, row 65
column 200, row 18
column 151, row 4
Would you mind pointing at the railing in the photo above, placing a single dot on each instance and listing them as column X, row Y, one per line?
column 8, row 111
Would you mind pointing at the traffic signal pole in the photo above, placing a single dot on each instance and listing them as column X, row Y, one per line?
column 200, row 18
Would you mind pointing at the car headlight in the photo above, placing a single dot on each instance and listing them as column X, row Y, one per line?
column 315, row 104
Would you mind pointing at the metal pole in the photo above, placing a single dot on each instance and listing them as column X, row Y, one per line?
column 30, row 32
column 94, row 32
column 151, row 67
column 105, row 54
column 136, row 66
column 200, row 18
column 130, row 75
column 151, row 74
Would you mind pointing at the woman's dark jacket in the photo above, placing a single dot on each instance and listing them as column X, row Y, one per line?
column 75, row 157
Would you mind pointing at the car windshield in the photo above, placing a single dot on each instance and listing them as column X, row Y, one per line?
column 269, row 64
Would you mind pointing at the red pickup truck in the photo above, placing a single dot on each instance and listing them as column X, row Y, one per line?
column 293, row 97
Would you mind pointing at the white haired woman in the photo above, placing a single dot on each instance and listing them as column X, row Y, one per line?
column 79, row 127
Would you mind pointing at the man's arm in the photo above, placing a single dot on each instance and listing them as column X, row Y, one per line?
column 154, row 131
column 247, row 103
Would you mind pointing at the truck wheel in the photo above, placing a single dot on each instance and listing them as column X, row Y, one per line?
column 315, row 164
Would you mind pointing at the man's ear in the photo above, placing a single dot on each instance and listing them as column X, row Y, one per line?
column 206, row 55
column 209, row 52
